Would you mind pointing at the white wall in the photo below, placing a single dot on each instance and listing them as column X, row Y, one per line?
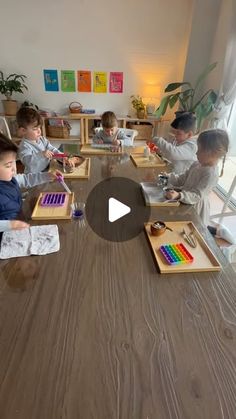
column 147, row 40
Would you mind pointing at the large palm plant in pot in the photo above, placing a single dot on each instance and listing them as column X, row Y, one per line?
column 188, row 99
column 8, row 85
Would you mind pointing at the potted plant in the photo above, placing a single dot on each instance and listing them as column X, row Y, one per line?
column 8, row 85
column 188, row 98
column 138, row 105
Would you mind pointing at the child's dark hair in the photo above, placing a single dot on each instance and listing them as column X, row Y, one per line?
column 215, row 141
column 27, row 116
column 186, row 122
column 109, row 120
column 6, row 145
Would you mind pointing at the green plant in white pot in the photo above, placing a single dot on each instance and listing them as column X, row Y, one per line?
column 8, row 85
column 188, row 99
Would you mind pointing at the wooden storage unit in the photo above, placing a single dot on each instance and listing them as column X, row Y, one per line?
column 54, row 133
column 146, row 132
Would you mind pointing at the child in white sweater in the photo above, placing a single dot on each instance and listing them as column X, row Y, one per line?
column 180, row 151
column 195, row 184
column 35, row 151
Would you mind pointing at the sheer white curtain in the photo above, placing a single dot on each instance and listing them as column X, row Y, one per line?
column 227, row 94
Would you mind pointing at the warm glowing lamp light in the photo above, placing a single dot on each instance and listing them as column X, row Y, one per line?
column 151, row 97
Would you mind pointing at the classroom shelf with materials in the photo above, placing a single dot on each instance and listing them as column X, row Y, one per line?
column 70, row 130
column 147, row 128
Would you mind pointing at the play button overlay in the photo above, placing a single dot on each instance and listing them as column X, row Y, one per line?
column 115, row 209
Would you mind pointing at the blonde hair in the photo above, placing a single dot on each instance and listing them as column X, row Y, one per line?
column 216, row 142
column 109, row 120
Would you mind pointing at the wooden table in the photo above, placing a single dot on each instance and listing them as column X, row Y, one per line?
column 93, row 331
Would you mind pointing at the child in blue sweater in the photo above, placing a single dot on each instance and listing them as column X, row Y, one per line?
column 10, row 183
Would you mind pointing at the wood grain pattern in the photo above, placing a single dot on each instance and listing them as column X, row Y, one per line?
column 94, row 332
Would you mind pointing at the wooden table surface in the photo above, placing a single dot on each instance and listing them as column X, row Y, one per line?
column 94, row 332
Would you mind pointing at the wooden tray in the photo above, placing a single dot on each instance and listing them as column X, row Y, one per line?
column 204, row 259
column 53, row 213
column 154, row 196
column 140, row 161
column 87, row 149
column 80, row 172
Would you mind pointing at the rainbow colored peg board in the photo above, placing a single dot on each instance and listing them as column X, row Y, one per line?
column 176, row 254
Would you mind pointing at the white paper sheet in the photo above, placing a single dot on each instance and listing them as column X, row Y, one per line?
column 36, row 240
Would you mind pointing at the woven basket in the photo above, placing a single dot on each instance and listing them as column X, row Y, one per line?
column 75, row 107
column 144, row 131
column 57, row 132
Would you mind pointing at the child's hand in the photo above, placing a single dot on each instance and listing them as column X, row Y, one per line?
column 116, row 142
column 48, row 154
column 172, row 194
column 98, row 141
column 54, row 174
column 70, row 161
column 18, row 225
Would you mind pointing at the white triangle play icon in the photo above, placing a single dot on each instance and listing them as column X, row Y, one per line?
column 116, row 210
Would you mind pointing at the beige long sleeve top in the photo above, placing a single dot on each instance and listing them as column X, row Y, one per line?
column 195, row 185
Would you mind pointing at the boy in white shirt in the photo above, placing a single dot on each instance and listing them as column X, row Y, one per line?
column 180, row 151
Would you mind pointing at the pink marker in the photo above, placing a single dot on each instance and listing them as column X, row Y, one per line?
column 60, row 179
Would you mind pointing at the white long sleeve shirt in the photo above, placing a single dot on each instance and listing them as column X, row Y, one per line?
column 30, row 153
column 195, row 185
column 180, row 155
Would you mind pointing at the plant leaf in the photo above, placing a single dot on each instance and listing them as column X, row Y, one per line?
column 174, row 86
column 163, row 106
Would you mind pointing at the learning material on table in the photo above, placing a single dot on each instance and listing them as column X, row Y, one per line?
column 153, row 160
column 51, row 212
column 176, row 253
column 203, row 257
column 88, row 149
column 154, row 195
column 81, row 171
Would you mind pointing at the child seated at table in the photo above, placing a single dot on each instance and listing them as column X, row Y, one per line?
column 195, row 184
column 35, row 151
column 110, row 133
column 10, row 183
column 180, row 151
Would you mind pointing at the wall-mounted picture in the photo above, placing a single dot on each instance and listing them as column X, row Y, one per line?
column 68, row 81
column 99, row 82
column 51, row 80
column 116, row 82
column 84, row 81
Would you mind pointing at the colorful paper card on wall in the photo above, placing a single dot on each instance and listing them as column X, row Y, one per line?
column 99, row 82
column 116, row 82
column 68, row 81
column 50, row 80
column 84, row 81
